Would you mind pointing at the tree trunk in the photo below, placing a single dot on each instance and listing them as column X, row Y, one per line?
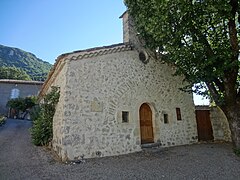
column 233, row 116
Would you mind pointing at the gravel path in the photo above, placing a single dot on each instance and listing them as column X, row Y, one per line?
column 19, row 159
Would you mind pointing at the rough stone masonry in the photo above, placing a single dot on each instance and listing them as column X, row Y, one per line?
column 99, row 85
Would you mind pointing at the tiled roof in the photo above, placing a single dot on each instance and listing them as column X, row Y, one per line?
column 12, row 81
column 97, row 51
column 123, row 14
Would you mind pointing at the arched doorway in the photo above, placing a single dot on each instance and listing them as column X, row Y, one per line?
column 146, row 127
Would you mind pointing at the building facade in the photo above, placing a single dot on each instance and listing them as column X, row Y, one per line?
column 10, row 89
column 114, row 99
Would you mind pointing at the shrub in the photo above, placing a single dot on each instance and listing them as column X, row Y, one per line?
column 34, row 113
column 237, row 152
column 21, row 104
column 42, row 116
column 2, row 120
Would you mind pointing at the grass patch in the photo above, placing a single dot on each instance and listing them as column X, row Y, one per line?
column 237, row 151
column 2, row 120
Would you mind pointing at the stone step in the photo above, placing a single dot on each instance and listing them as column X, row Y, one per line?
column 152, row 148
column 151, row 145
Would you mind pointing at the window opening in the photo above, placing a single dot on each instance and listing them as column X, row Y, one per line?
column 178, row 112
column 14, row 93
column 125, row 116
column 165, row 118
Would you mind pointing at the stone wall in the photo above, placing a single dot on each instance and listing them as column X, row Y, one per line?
column 221, row 130
column 220, row 127
column 59, row 79
column 95, row 91
column 98, row 84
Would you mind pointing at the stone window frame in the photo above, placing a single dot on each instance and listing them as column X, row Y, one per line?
column 169, row 117
column 143, row 56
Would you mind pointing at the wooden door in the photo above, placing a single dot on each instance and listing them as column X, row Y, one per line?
column 204, row 126
column 146, row 127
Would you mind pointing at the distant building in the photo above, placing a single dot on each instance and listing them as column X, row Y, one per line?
column 10, row 89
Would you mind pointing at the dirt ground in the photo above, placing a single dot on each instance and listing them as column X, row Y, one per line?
column 20, row 159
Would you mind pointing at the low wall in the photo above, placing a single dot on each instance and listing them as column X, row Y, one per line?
column 221, row 130
column 220, row 127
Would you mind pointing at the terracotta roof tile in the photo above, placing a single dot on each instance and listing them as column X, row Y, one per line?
column 97, row 51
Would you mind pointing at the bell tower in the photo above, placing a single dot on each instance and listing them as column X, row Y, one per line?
column 130, row 34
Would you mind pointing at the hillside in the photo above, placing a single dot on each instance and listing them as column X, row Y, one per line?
column 36, row 68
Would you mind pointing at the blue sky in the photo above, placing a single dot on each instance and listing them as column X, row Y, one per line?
column 49, row 28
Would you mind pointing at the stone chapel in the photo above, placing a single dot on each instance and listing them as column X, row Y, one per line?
column 116, row 99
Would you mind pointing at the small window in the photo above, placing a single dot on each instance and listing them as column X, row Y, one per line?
column 165, row 118
column 143, row 57
column 125, row 116
column 178, row 112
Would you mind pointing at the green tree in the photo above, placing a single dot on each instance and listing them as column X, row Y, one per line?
column 201, row 38
column 13, row 73
column 22, row 104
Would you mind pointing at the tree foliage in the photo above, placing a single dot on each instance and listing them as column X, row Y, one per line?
column 13, row 73
column 22, row 104
column 42, row 116
column 201, row 38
